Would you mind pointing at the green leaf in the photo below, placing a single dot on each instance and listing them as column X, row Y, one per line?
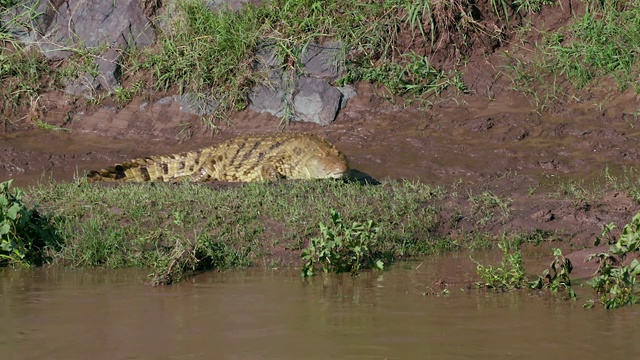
column 5, row 228
column 12, row 213
column 7, row 245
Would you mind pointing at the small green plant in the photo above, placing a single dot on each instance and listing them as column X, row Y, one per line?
column 22, row 230
column 615, row 281
column 123, row 95
column 528, row 6
column 508, row 275
column 342, row 248
column 628, row 182
column 487, row 204
column 578, row 193
column 43, row 125
column 558, row 280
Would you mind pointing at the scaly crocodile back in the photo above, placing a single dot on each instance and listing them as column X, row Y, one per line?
column 244, row 158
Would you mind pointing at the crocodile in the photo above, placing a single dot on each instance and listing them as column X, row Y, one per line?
column 261, row 157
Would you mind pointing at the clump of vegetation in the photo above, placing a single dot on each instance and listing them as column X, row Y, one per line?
column 7, row 3
column 207, row 52
column 214, row 52
column 578, row 193
column 600, row 43
column 487, row 205
column 559, row 280
column 508, row 275
column 23, row 232
column 615, row 280
column 189, row 256
column 22, row 69
column 629, row 182
column 343, row 248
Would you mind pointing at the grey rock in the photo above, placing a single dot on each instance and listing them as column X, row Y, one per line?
column 109, row 70
column 269, row 99
column 95, row 24
column 316, row 101
column 322, row 61
column 165, row 100
column 267, row 59
column 85, row 85
column 270, row 95
column 190, row 104
column 29, row 19
column 348, row 92
column 114, row 26
column 305, row 97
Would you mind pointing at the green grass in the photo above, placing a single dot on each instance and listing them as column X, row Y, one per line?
column 578, row 192
column 581, row 192
column 486, row 206
column 213, row 54
column 599, row 44
column 179, row 229
column 627, row 181
column 22, row 69
column 603, row 41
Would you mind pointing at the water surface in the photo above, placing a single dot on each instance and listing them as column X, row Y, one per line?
column 274, row 314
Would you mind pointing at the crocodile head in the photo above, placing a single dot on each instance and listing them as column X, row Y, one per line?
column 328, row 163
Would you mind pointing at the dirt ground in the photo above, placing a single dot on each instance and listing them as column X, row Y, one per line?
column 490, row 139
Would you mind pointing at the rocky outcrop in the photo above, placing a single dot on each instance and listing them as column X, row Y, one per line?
column 303, row 94
column 108, row 29
column 114, row 26
column 64, row 27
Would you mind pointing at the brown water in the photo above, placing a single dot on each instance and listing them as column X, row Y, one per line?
column 274, row 314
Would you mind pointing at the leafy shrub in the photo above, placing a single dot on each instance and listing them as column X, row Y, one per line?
column 342, row 248
column 508, row 275
column 615, row 281
column 559, row 280
column 23, row 233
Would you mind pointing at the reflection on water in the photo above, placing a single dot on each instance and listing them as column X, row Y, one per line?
column 264, row 314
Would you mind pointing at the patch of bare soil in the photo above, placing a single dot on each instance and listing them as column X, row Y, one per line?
column 500, row 145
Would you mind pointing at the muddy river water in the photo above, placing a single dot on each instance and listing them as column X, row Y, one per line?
column 274, row 314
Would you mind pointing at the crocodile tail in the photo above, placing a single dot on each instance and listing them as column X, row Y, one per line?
column 134, row 170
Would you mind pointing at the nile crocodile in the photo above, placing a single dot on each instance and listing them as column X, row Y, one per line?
column 244, row 158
